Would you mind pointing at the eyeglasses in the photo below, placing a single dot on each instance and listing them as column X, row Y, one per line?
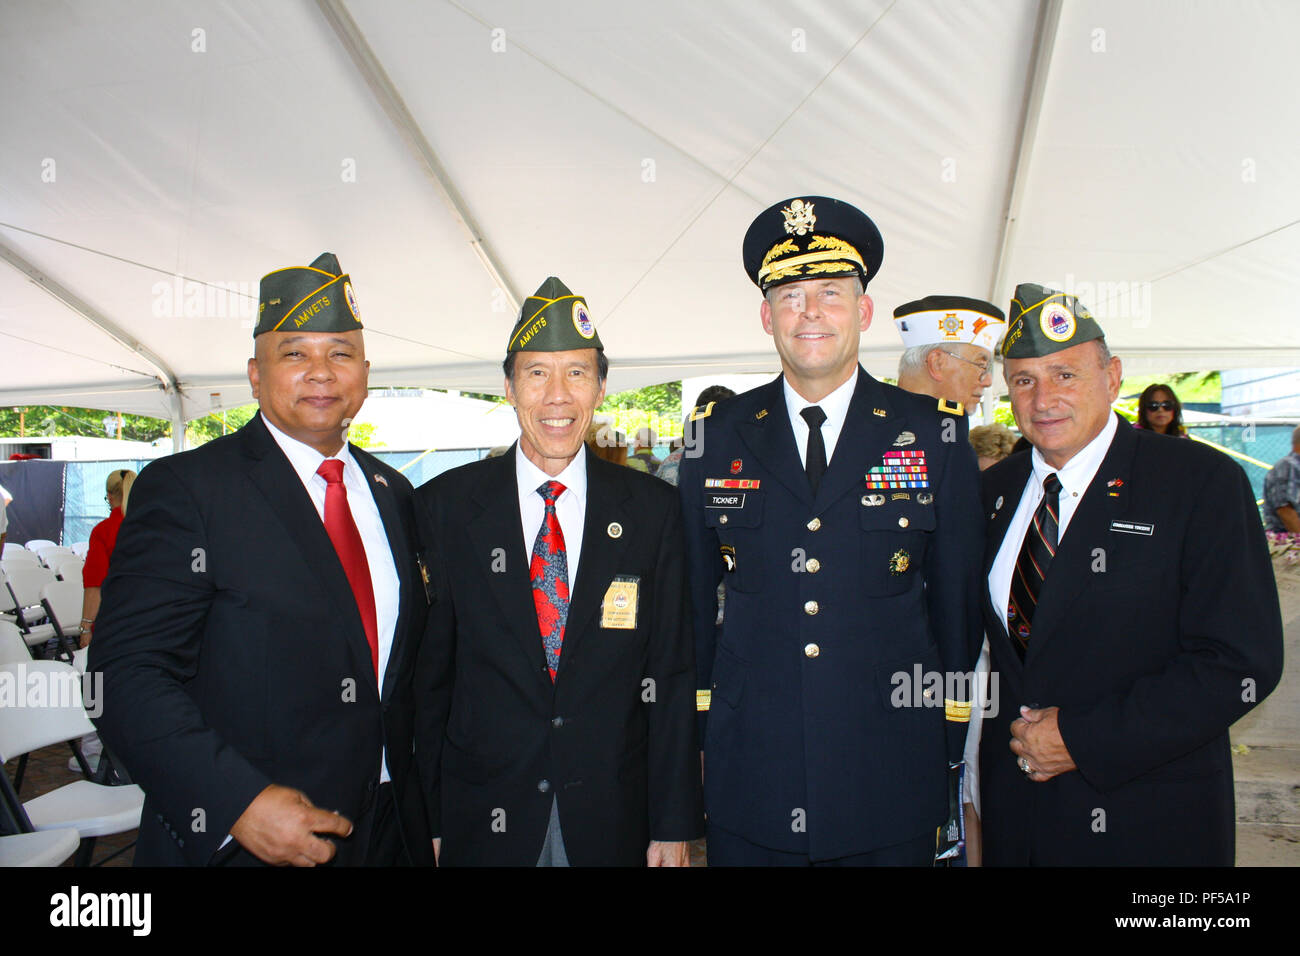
column 984, row 366
column 1160, row 406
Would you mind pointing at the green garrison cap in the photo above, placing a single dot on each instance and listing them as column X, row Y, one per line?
column 314, row 298
column 1044, row 321
column 553, row 319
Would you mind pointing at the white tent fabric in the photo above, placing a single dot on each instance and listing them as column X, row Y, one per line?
column 157, row 158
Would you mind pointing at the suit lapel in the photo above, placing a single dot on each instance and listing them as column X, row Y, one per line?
column 601, row 552
column 1071, row 570
column 400, row 547
column 497, row 538
column 270, row 472
column 768, row 435
column 1008, row 490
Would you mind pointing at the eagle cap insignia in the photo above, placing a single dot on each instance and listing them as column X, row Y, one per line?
column 799, row 218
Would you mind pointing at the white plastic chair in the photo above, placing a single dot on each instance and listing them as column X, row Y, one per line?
column 42, row 848
column 24, row 585
column 22, row 558
column 62, row 601
column 11, row 548
column 52, row 556
column 68, row 568
column 12, row 647
column 37, row 543
column 92, row 809
column 80, row 549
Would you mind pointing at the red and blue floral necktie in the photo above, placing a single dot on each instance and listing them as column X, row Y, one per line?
column 549, row 570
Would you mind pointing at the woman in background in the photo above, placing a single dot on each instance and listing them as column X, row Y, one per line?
column 102, row 538
column 1159, row 410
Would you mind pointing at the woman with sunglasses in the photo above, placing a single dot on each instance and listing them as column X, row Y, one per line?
column 1159, row 410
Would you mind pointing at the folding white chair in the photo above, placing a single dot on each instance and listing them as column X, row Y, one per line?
column 42, row 848
column 20, row 558
column 52, row 556
column 11, row 548
column 80, row 548
column 37, row 543
column 24, row 585
column 92, row 809
column 62, row 601
column 68, row 568
column 12, row 647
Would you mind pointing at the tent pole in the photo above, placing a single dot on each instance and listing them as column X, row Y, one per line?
column 1049, row 19
column 376, row 77
column 178, row 421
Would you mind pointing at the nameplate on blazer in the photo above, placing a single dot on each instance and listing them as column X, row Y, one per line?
column 1133, row 527
column 719, row 499
column 618, row 610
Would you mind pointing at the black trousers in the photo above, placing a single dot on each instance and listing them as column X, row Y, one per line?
column 376, row 839
column 728, row 849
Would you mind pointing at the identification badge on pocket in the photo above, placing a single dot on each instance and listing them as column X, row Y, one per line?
column 618, row 610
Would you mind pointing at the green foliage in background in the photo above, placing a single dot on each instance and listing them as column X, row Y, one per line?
column 49, row 421
column 659, row 406
column 208, row 427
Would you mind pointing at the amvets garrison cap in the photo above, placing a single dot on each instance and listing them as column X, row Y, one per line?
column 553, row 319
column 809, row 238
column 950, row 318
column 1044, row 321
column 314, row 298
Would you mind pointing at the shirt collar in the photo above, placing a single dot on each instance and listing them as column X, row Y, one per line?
column 835, row 405
column 304, row 459
column 1078, row 472
column 529, row 477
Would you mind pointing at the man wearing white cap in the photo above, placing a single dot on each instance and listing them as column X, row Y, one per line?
column 949, row 342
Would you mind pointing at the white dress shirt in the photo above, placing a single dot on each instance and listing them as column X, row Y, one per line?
column 1075, row 478
column 836, row 407
column 570, row 507
column 365, row 513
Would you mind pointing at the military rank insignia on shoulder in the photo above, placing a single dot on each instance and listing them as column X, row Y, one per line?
column 951, row 408
column 702, row 411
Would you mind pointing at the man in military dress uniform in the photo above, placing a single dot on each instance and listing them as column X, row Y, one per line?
column 841, row 513
column 1132, row 616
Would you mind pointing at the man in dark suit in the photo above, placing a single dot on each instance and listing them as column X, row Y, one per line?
column 1132, row 618
column 262, row 616
column 555, row 689
column 841, row 513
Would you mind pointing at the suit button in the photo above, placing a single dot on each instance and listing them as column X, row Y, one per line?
column 543, row 786
column 903, row 522
column 722, row 519
column 811, row 607
column 811, row 650
column 557, row 722
column 814, row 524
column 813, row 565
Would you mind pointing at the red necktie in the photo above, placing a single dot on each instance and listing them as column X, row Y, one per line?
column 352, row 553
column 549, row 570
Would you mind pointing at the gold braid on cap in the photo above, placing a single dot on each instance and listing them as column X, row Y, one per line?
column 816, row 261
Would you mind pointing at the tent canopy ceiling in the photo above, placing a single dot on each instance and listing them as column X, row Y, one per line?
column 159, row 158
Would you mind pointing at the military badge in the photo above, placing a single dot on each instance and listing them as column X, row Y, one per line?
column 350, row 297
column 615, row 530
column 879, row 412
column 729, row 557
column 1056, row 321
column 799, row 218
column 873, row 501
column 903, row 439
column 736, row 465
column 900, row 562
column 582, row 321
column 950, row 325
column 924, row 498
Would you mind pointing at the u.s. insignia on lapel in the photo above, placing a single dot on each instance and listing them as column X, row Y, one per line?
column 879, row 412
column 761, row 414
column 381, row 479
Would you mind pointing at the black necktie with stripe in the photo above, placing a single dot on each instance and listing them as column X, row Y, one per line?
column 1036, row 555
